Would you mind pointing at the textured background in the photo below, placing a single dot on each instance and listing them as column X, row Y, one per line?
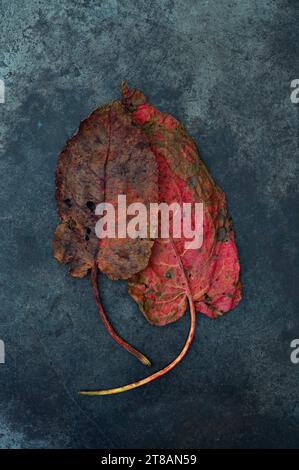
column 224, row 69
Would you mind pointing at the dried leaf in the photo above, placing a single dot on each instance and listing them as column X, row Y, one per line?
column 211, row 273
column 108, row 156
column 208, row 278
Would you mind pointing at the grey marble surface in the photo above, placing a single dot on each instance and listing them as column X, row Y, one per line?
column 224, row 69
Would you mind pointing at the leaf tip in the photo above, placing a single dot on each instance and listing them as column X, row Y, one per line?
column 146, row 361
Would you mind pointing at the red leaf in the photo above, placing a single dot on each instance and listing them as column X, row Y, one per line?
column 212, row 272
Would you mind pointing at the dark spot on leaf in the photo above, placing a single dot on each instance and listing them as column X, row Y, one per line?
column 68, row 202
column 91, row 206
column 221, row 234
column 191, row 181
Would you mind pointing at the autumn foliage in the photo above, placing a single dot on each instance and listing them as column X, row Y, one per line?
column 130, row 147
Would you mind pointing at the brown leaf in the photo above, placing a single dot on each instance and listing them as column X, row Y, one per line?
column 107, row 157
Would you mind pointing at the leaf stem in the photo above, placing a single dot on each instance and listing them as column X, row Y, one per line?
column 161, row 372
column 141, row 357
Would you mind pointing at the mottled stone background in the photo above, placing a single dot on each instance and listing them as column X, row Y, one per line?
column 224, row 69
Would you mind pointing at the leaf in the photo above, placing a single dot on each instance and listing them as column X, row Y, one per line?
column 207, row 278
column 108, row 156
column 211, row 273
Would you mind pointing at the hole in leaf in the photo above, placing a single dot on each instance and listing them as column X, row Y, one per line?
column 91, row 206
column 68, row 202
